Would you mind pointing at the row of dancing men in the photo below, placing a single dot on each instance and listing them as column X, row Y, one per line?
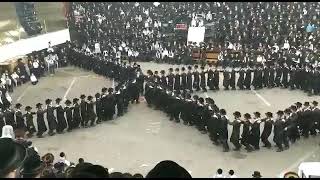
column 83, row 112
column 306, row 78
column 207, row 117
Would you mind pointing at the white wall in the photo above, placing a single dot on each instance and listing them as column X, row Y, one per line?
column 26, row 46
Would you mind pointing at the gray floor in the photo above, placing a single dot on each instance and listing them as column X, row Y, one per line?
column 143, row 137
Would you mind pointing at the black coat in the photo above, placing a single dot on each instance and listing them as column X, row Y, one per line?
column 241, row 78
column 76, row 115
column 245, row 132
column 62, row 124
column 278, row 131
column 235, row 135
column 267, row 129
column 40, row 121
column 20, row 120
column 69, row 116
column 52, row 123
column 29, row 120
column 223, row 128
column 9, row 118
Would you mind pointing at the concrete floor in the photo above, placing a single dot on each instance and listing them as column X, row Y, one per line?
column 143, row 137
column 50, row 15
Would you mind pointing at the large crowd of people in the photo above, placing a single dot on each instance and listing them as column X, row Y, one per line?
column 274, row 41
column 245, row 32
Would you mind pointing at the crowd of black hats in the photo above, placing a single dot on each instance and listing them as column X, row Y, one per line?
column 277, row 31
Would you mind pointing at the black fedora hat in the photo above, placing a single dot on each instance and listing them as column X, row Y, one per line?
column 256, row 174
column 75, row 100
column 48, row 101
column 280, row 112
column 247, row 115
column 315, row 103
column 237, row 114
column 223, row 111
column 82, row 96
column 257, row 114
column 12, row 155
column 299, row 104
column 58, row 100
column 269, row 114
column 67, row 102
column 97, row 95
column 38, row 105
column 306, row 103
column 28, row 108
column 90, row 98
column 18, row 105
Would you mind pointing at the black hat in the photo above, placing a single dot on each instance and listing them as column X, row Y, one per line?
column 104, row 89
column 315, row 103
column 48, row 101
column 269, row 114
column 288, row 110
column 18, row 105
column 195, row 97
column 256, row 174
column 90, row 98
column 88, row 170
column 97, row 95
column 306, row 104
column 237, row 114
column 156, row 72
column 28, row 108
column 12, row 155
column 67, row 102
column 82, row 96
column 280, row 112
column 75, row 100
column 168, row 169
column 293, row 107
column 183, row 69
column 299, row 104
column 170, row 69
column 201, row 100
column 223, row 111
column 38, row 105
column 58, row 100
column 32, row 164
column 189, row 67
column 257, row 114
column 247, row 115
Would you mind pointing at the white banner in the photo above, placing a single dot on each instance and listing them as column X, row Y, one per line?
column 26, row 46
column 196, row 34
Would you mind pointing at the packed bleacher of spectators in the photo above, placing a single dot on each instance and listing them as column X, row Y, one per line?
column 245, row 32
